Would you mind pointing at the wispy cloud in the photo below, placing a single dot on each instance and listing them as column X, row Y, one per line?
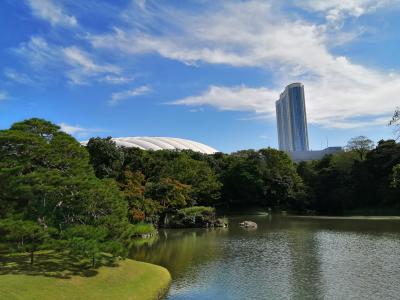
column 78, row 131
column 84, row 66
column 117, row 79
column 52, row 12
column 77, row 65
column 264, row 137
column 81, row 59
column 18, row 77
column 39, row 54
column 3, row 95
column 256, row 34
column 337, row 10
column 119, row 96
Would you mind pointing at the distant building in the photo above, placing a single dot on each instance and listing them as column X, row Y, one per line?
column 298, row 156
column 291, row 119
column 161, row 143
column 292, row 125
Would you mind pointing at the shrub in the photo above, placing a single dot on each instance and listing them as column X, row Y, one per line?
column 143, row 229
column 137, row 215
column 197, row 210
column 195, row 216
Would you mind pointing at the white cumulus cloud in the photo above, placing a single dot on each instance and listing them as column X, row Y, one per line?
column 238, row 98
column 339, row 92
column 119, row 96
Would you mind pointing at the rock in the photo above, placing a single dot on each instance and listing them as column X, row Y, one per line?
column 248, row 224
column 221, row 223
column 144, row 235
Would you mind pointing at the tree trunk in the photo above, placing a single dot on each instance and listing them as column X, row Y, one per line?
column 32, row 258
column 93, row 262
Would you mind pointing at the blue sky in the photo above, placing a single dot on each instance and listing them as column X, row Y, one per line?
column 203, row 70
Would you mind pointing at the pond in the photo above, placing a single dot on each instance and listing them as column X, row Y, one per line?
column 284, row 258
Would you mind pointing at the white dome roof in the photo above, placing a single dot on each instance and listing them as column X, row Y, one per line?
column 163, row 143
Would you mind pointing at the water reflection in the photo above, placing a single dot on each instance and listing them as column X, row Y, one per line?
column 305, row 268
column 284, row 258
column 178, row 250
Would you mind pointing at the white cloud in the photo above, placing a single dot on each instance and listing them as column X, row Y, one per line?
column 239, row 98
column 264, row 137
column 81, row 59
column 339, row 92
column 76, row 64
column 77, row 130
column 3, row 95
column 50, row 11
column 17, row 77
column 113, row 79
column 119, row 96
column 38, row 53
column 350, row 110
column 336, row 10
column 84, row 67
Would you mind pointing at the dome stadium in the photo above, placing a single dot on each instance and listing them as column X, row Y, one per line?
column 163, row 143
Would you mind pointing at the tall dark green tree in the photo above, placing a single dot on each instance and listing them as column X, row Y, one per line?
column 46, row 176
column 373, row 176
column 91, row 242
column 204, row 184
column 107, row 159
column 25, row 236
column 266, row 177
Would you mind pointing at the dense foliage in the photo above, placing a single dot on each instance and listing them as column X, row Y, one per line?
column 363, row 178
column 348, row 182
column 48, row 184
column 157, row 182
column 56, row 193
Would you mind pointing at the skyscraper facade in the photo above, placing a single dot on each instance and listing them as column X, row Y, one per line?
column 291, row 119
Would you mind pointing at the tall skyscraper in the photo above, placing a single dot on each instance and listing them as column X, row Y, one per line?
column 291, row 119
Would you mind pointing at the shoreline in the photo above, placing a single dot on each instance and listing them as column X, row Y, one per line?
column 376, row 218
column 129, row 279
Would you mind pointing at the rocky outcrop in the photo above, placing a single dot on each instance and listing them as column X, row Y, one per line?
column 248, row 224
column 221, row 223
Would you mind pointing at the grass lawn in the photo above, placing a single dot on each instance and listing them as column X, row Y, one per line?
column 54, row 276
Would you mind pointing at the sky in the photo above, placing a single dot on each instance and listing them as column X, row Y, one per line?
column 204, row 70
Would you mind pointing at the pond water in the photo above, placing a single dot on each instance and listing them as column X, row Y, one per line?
column 284, row 258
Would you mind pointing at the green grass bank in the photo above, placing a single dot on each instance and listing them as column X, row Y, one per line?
column 53, row 276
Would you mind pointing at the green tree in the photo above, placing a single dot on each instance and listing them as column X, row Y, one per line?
column 140, row 208
column 395, row 122
column 25, row 236
column 373, row 177
column 205, row 186
column 242, row 182
column 361, row 145
column 168, row 192
column 107, row 159
column 45, row 175
column 396, row 176
column 90, row 242
column 266, row 177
